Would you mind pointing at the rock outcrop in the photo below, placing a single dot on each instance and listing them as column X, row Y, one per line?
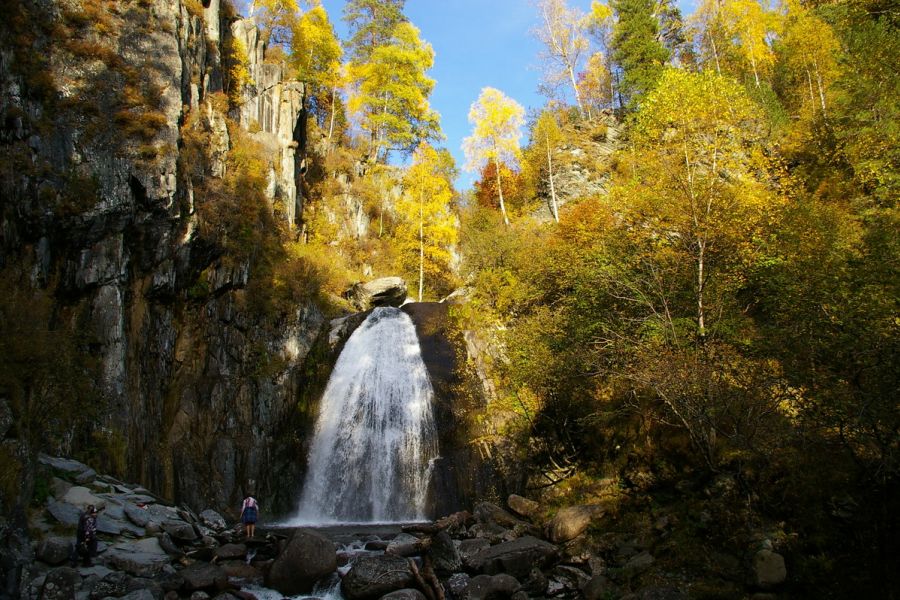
column 102, row 212
column 387, row 291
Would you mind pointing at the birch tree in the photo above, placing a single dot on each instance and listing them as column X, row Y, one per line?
column 497, row 128
column 562, row 31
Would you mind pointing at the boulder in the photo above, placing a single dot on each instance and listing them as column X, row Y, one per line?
column 60, row 584
column 55, row 550
column 371, row 577
column 213, row 520
column 65, row 513
column 241, row 570
column 493, row 587
column 469, row 548
column 387, row 291
column 180, row 531
column 81, row 496
column 573, row 579
column 137, row 515
column 142, row 558
column 571, row 522
column 523, row 506
column 516, row 558
column 404, row 544
column 64, row 465
column 229, row 551
column 458, row 585
column 488, row 513
column 638, row 564
column 768, row 569
column 141, row 594
column 444, row 554
column 204, row 576
column 306, row 558
column 114, row 584
column 404, row 594
column 169, row 546
column 86, row 477
column 598, row 588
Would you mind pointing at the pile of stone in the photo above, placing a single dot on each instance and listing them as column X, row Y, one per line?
column 148, row 549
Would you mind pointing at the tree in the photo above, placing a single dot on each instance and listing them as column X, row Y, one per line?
column 371, row 24
column 277, row 19
column 595, row 82
column 497, row 122
column 546, row 134
column 427, row 225
column 316, row 54
column 600, row 27
column 636, row 47
column 739, row 30
column 392, row 93
column 562, row 32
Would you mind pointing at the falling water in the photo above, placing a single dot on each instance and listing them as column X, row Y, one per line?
column 375, row 434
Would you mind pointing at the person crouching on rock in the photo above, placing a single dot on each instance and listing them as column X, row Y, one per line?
column 86, row 535
column 249, row 513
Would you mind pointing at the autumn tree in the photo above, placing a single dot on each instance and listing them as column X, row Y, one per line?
column 595, row 83
column 427, row 227
column 545, row 135
column 392, row 93
column 636, row 47
column 808, row 50
column 599, row 24
column 562, row 32
column 277, row 20
column 497, row 122
column 317, row 56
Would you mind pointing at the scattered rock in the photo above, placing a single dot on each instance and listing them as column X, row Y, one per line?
column 86, row 477
column 142, row 594
column 404, row 594
column 169, row 546
column 179, row 530
column 458, row 585
column 307, row 557
column 523, row 506
column 485, row 512
column 371, row 577
column 469, row 548
column 493, row 587
column 517, row 557
column 638, row 564
column 80, row 497
column 113, row 584
column 142, row 558
column 137, row 515
column 202, row 576
column 444, row 553
column 404, row 544
column 213, row 520
column 769, row 569
column 598, row 588
column 64, row 513
column 55, row 550
column 572, row 521
column 60, row 584
column 229, row 551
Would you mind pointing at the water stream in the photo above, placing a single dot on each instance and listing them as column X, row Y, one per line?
column 375, row 435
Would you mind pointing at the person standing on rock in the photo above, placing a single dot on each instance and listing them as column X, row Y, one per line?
column 249, row 513
column 86, row 535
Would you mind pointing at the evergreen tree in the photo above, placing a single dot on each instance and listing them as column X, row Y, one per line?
column 636, row 47
column 371, row 24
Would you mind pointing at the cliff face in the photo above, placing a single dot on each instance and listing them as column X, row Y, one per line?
column 99, row 210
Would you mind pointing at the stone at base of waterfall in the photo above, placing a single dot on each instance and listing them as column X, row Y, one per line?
column 229, row 551
column 598, row 588
column 491, row 514
column 405, row 594
column 572, row 521
column 444, row 554
column 55, row 550
column 523, row 506
column 60, row 584
column 213, row 520
column 493, row 587
column 387, row 291
column 306, row 558
column 142, row 558
column 404, row 544
column 516, row 558
column 470, row 548
column 374, row 576
column 202, row 576
column 769, row 569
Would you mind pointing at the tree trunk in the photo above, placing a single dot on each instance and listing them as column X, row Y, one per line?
column 821, row 87
column 553, row 203
column 421, row 246
column 331, row 124
column 500, row 193
column 701, row 320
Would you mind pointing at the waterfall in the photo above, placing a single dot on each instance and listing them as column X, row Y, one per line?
column 375, row 435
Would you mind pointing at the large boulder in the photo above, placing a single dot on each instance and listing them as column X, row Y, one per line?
column 55, row 550
column 229, row 551
column 204, row 576
column 306, row 558
column 516, row 558
column 142, row 558
column 404, row 544
column 387, row 291
column 60, row 584
column 523, row 506
column 491, row 514
column 571, row 522
column 372, row 577
column 445, row 554
column 471, row 548
column 405, row 594
column 493, row 587
column 768, row 569
column 213, row 520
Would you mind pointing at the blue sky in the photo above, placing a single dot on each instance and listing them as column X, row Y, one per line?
column 477, row 43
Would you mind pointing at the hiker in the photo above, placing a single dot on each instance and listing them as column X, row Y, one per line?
column 249, row 512
column 86, row 535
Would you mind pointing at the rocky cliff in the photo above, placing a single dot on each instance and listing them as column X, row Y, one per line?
column 106, row 210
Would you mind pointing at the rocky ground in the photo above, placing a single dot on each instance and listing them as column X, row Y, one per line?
column 153, row 551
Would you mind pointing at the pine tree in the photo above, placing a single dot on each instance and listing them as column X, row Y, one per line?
column 636, row 47
column 371, row 24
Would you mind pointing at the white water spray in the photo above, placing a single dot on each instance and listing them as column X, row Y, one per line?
column 375, row 434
